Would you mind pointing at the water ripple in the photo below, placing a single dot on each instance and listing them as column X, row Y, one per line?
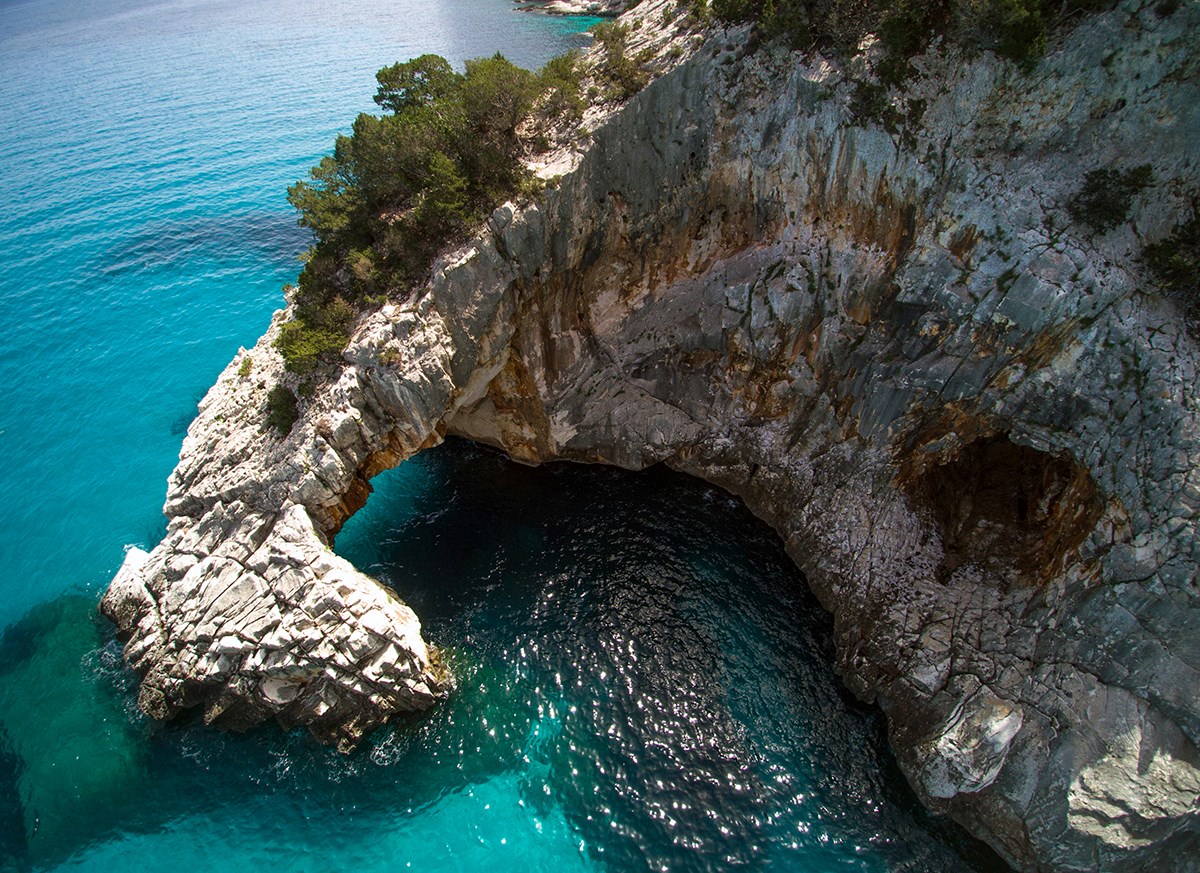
column 643, row 653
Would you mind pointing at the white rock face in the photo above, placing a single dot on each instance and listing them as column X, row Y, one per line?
column 972, row 421
column 278, row 626
column 576, row 7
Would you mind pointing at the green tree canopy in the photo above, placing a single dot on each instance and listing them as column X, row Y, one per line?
column 415, row 83
column 403, row 183
column 497, row 96
column 331, row 203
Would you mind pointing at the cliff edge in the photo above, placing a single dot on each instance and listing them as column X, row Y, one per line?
column 971, row 418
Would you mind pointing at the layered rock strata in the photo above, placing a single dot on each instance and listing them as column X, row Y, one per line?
column 971, row 420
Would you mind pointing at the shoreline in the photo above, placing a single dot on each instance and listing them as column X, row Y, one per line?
column 597, row 8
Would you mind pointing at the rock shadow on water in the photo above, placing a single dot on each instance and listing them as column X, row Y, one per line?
column 182, row 421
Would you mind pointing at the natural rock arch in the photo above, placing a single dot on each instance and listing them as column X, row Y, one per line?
column 742, row 281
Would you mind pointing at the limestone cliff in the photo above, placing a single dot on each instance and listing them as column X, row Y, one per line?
column 972, row 421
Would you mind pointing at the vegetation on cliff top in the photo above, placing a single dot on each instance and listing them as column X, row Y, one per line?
column 903, row 29
column 1014, row 29
column 449, row 146
column 447, row 150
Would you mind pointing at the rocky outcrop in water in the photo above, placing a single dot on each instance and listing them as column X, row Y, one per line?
column 970, row 418
column 245, row 611
column 574, row 7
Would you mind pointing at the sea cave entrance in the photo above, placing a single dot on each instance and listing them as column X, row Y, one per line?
column 637, row 655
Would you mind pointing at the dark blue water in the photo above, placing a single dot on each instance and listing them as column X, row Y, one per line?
column 644, row 680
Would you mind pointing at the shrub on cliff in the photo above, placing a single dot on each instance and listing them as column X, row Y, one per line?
column 281, row 409
column 305, row 346
column 1175, row 263
column 1015, row 29
column 403, row 182
column 559, row 86
column 447, row 150
column 1107, row 196
column 624, row 76
column 322, row 324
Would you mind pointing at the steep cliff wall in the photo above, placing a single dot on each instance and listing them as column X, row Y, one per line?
column 971, row 420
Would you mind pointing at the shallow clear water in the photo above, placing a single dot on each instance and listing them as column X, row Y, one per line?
column 645, row 682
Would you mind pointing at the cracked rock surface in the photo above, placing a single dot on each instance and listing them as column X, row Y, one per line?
column 972, row 421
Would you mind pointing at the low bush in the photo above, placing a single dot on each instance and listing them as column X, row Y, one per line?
column 281, row 409
column 1015, row 29
column 698, row 12
column 304, row 347
column 624, row 76
column 560, row 81
column 1175, row 264
column 1107, row 195
column 318, row 332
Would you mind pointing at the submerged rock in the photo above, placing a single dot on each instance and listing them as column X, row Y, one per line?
column 79, row 757
column 970, row 418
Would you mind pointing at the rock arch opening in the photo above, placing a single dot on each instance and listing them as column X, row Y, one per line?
column 613, row 629
column 1007, row 513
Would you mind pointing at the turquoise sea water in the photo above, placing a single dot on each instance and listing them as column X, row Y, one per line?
column 645, row 681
